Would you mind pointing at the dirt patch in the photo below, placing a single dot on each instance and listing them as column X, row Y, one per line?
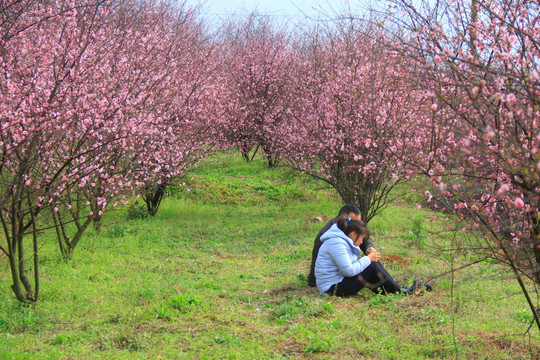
column 292, row 349
column 395, row 259
column 291, row 290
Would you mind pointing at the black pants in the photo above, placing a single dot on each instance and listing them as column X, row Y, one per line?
column 375, row 277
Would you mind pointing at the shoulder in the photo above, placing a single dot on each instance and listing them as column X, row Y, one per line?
column 336, row 241
column 325, row 228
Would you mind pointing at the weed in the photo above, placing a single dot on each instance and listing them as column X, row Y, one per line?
column 23, row 320
column 377, row 301
column 185, row 303
column 417, row 232
column 319, row 345
column 302, row 277
column 64, row 339
column 116, row 231
column 127, row 342
column 524, row 316
column 162, row 314
column 226, row 340
column 136, row 211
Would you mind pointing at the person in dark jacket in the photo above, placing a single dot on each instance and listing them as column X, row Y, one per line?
column 354, row 213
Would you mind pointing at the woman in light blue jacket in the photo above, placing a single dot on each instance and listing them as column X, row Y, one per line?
column 339, row 270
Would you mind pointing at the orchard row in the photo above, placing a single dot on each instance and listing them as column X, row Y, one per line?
column 105, row 99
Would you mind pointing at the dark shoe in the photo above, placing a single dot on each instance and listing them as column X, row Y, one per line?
column 415, row 288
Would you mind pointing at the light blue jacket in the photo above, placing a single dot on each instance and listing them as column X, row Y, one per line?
column 337, row 259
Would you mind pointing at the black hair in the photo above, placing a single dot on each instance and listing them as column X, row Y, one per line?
column 350, row 208
column 347, row 225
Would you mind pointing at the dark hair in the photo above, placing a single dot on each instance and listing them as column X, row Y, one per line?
column 347, row 225
column 350, row 208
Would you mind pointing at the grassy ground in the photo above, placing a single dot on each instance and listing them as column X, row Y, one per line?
column 220, row 273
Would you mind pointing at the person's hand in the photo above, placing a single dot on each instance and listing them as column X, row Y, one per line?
column 374, row 256
column 370, row 250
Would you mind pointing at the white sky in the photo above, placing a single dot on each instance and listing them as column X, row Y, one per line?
column 284, row 8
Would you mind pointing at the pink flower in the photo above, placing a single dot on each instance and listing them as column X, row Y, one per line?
column 434, row 106
column 504, row 188
column 518, row 202
column 438, row 59
column 511, row 99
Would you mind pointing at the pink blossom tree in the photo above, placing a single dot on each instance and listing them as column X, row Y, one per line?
column 354, row 113
column 480, row 65
column 41, row 47
column 184, row 109
column 79, row 104
column 257, row 65
column 147, row 145
column 115, row 81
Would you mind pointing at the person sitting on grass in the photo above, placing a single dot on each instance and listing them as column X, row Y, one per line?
column 339, row 271
column 354, row 213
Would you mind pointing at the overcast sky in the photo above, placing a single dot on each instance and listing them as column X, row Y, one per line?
column 282, row 8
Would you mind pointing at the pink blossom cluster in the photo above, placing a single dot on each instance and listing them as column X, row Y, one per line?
column 480, row 64
column 99, row 99
column 355, row 117
column 257, row 77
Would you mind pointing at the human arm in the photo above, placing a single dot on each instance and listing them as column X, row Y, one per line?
column 341, row 257
column 374, row 255
column 367, row 246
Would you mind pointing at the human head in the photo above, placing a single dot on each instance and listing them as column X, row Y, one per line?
column 352, row 211
column 355, row 229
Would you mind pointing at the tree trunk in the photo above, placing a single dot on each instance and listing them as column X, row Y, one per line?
column 16, row 287
column 535, row 234
column 71, row 245
column 23, row 293
column 153, row 198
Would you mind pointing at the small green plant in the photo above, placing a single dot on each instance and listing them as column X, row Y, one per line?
column 24, row 320
column 4, row 324
column 226, row 340
column 381, row 300
column 417, row 232
column 185, row 303
column 63, row 339
column 524, row 316
column 302, row 277
column 319, row 345
column 162, row 314
column 116, row 231
column 136, row 211
column 129, row 343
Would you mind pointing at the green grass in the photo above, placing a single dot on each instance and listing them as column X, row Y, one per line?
column 220, row 273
